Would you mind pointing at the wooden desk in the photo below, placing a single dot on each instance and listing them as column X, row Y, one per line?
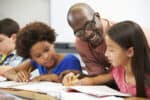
column 28, row 95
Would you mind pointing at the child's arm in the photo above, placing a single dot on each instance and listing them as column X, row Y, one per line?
column 4, row 68
column 102, row 78
column 99, row 79
column 48, row 77
column 136, row 98
column 20, row 73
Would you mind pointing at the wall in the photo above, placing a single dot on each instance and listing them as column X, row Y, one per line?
column 115, row 10
column 25, row 11
column 54, row 12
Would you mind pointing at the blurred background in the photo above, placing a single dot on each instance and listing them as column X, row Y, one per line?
column 54, row 12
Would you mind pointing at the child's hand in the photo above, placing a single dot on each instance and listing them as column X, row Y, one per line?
column 62, row 74
column 22, row 76
column 71, row 79
column 68, row 78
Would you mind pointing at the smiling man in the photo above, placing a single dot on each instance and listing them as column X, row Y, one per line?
column 89, row 30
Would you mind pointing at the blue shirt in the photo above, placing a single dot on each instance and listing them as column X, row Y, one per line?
column 70, row 62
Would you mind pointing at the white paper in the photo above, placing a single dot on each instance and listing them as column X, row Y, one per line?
column 7, row 84
column 34, row 73
column 76, row 96
column 82, row 96
column 2, row 78
column 43, row 87
column 59, row 91
column 98, row 90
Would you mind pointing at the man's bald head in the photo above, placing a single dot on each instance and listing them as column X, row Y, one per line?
column 79, row 13
column 86, row 23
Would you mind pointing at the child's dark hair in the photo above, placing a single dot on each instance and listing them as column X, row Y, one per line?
column 30, row 35
column 129, row 34
column 8, row 27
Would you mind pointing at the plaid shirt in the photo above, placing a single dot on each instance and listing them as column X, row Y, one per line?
column 12, row 59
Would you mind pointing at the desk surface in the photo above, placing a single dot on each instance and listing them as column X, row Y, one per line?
column 28, row 95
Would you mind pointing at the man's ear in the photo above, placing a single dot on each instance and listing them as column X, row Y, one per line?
column 13, row 36
column 130, row 52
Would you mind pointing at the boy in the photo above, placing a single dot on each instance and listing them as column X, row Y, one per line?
column 8, row 31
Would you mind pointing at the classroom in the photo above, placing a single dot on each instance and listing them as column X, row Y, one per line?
column 74, row 49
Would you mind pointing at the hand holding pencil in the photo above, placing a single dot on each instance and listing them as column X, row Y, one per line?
column 77, row 79
column 22, row 76
column 71, row 79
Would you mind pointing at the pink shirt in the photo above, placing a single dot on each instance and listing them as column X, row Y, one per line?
column 93, row 58
column 119, row 77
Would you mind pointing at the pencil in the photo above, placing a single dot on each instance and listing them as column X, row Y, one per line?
column 75, row 77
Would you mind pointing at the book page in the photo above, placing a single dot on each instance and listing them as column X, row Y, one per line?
column 97, row 91
column 7, row 84
column 2, row 78
column 60, row 91
column 82, row 96
column 42, row 86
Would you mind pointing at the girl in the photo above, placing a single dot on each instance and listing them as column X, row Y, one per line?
column 129, row 54
column 36, row 42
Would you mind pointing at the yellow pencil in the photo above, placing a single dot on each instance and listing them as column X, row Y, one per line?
column 75, row 77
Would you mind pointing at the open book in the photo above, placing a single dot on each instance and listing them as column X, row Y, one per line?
column 57, row 89
column 97, row 91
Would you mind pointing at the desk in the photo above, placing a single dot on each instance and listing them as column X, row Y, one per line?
column 28, row 95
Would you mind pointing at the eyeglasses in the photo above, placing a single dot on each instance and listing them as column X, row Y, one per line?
column 89, row 25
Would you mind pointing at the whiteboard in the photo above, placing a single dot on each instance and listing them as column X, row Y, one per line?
column 115, row 10
column 25, row 11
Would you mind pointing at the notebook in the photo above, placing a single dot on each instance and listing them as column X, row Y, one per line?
column 58, row 90
column 97, row 91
